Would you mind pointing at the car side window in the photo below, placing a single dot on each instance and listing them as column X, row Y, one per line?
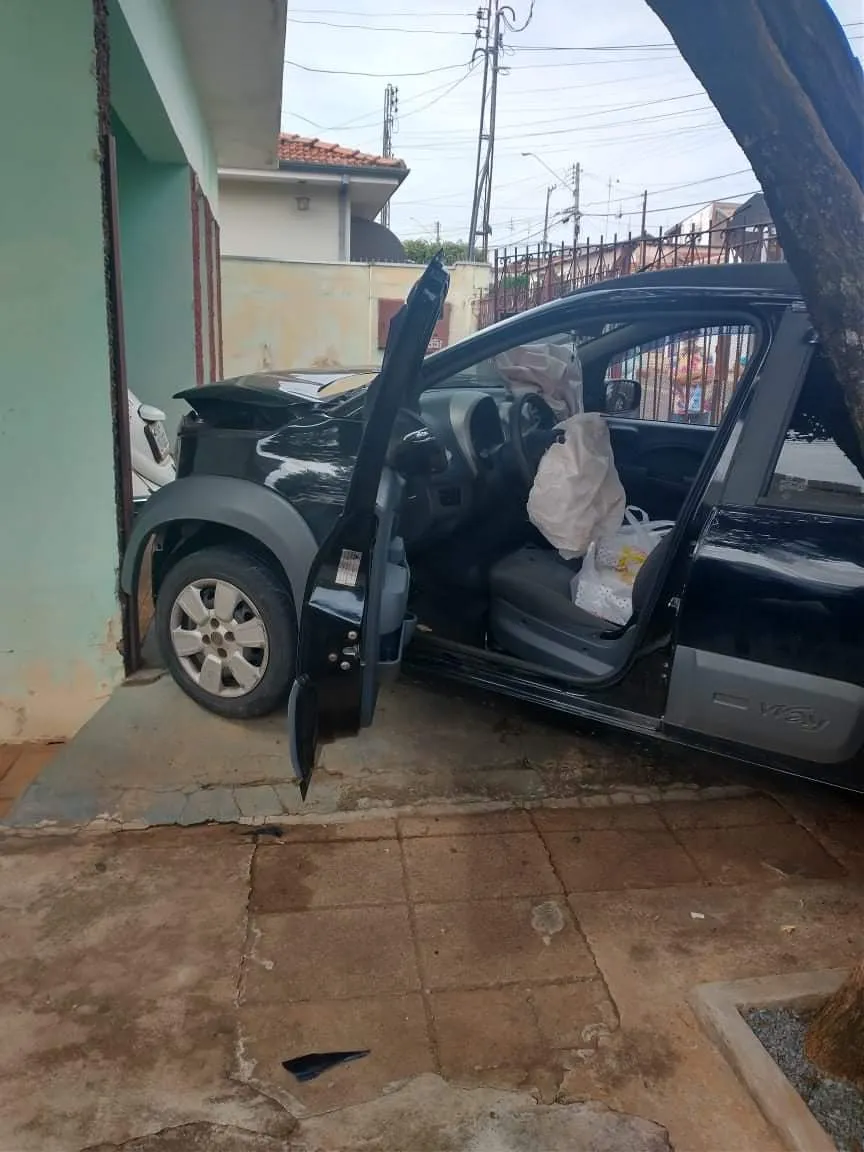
column 488, row 373
column 820, row 467
column 688, row 377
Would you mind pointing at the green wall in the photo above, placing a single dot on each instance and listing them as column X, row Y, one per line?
column 156, row 267
column 152, row 89
column 59, row 620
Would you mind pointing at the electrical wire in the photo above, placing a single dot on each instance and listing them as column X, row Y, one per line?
column 374, row 75
column 380, row 28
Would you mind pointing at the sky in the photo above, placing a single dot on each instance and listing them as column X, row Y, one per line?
column 600, row 84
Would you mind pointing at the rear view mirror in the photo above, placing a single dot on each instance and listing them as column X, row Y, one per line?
column 623, row 397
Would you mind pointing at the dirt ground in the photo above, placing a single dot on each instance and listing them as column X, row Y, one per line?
column 502, row 968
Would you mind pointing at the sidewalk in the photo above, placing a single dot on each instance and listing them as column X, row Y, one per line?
column 153, row 982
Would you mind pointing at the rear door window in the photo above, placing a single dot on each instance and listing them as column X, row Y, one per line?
column 820, row 467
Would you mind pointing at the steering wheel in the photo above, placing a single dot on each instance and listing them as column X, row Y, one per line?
column 531, row 421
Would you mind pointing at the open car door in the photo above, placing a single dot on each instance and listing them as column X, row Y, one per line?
column 352, row 621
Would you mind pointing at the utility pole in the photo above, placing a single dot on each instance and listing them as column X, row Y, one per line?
column 577, row 180
column 643, row 232
column 549, row 192
column 391, row 108
column 437, row 231
column 489, row 23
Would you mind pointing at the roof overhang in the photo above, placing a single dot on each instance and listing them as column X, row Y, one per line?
column 369, row 187
column 235, row 53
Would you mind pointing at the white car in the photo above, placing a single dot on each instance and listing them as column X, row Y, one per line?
column 152, row 460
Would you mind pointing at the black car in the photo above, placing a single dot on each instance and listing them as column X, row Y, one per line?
column 383, row 515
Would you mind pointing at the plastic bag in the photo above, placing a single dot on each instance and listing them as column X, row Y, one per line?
column 576, row 496
column 551, row 370
column 604, row 584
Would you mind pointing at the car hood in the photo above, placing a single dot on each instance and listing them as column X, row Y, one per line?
column 282, row 389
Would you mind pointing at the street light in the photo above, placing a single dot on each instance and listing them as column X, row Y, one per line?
column 552, row 171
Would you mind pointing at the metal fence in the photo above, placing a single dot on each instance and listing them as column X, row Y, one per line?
column 688, row 377
column 524, row 278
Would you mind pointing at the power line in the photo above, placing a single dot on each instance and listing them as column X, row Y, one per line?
column 675, row 187
column 373, row 75
column 379, row 28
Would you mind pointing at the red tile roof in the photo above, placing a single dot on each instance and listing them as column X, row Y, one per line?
column 310, row 150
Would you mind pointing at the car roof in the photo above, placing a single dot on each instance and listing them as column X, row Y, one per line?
column 775, row 276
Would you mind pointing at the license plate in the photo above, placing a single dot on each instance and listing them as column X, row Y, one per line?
column 158, row 439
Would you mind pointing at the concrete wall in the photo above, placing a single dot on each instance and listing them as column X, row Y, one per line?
column 145, row 43
column 261, row 220
column 294, row 315
column 156, row 266
column 59, row 622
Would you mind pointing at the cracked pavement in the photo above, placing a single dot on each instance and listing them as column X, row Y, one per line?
column 151, row 756
column 503, row 967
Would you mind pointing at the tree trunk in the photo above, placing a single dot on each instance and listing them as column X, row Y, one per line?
column 784, row 79
column 835, row 1039
column 770, row 96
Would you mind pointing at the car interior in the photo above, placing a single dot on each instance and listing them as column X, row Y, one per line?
column 481, row 574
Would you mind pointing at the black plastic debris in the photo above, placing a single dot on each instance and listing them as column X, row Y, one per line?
column 264, row 830
column 311, row 1066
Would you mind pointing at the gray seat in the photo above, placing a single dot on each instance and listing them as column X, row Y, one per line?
column 532, row 614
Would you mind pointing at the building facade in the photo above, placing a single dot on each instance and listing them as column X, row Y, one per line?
column 114, row 116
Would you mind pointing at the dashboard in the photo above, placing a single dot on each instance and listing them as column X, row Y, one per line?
column 470, row 426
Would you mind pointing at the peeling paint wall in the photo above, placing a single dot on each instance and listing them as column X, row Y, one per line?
column 59, row 617
column 295, row 315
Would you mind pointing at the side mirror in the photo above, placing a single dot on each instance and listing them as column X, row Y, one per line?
column 623, row 396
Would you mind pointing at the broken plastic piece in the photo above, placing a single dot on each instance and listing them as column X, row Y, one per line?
column 697, row 915
column 310, row 1066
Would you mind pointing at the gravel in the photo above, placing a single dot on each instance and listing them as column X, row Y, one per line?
column 838, row 1106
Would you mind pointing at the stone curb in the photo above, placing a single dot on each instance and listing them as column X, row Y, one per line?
column 718, row 1007
column 107, row 823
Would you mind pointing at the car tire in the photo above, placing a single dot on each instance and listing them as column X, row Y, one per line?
column 228, row 607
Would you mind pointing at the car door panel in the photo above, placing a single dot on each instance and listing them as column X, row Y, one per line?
column 771, row 623
column 658, row 462
column 768, row 641
column 353, row 615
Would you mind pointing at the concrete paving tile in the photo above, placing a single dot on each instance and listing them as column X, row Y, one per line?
column 762, row 855
column 372, row 829
column 450, row 868
column 631, row 816
column 293, row 877
column 330, row 953
column 574, row 1015
column 257, row 800
column 737, row 813
column 485, row 1028
column 117, row 979
column 210, row 804
column 651, row 949
column 619, row 858
column 813, row 806
column 845, row 842
column 392, row 1028
column 468, row 824
column 494, row 942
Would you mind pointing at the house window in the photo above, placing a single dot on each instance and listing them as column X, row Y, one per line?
column 820, row 467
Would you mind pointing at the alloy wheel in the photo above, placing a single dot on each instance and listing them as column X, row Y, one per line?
column 219, row 637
